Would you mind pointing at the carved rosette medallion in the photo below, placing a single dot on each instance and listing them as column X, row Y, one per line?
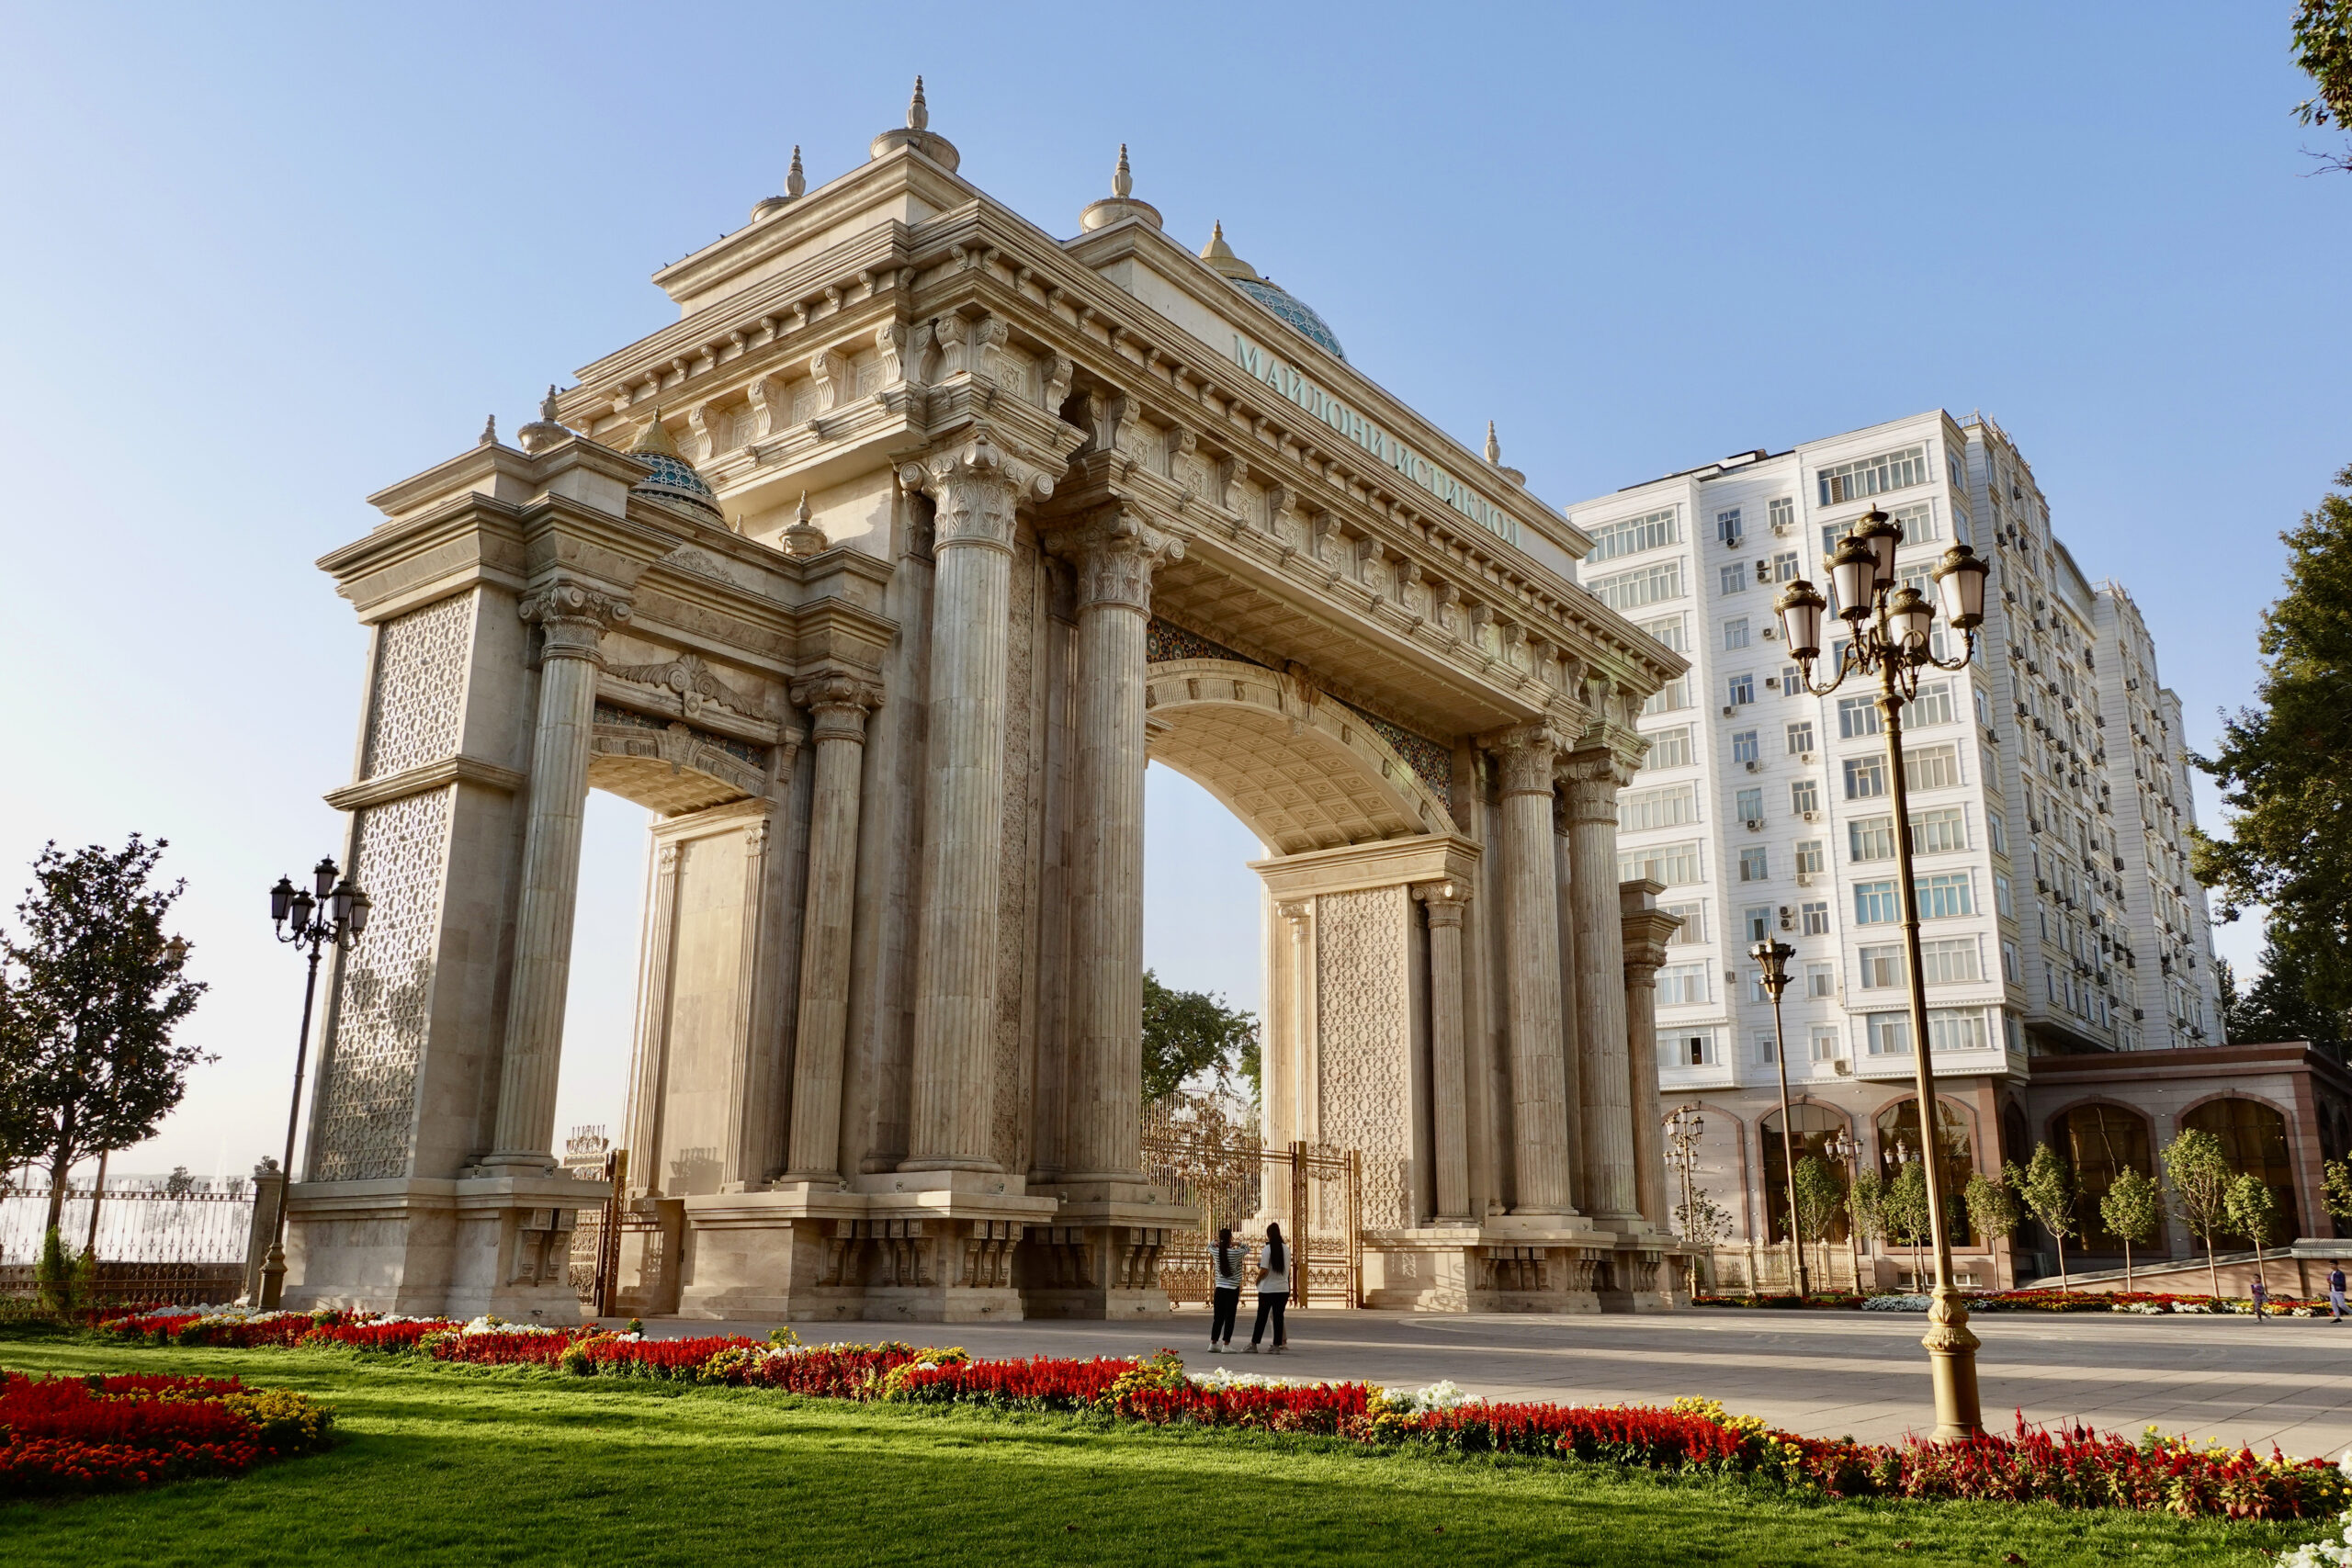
column 574, row 617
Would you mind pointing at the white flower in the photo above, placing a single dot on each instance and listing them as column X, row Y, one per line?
column 1443, row 1394
column 1896, row 1304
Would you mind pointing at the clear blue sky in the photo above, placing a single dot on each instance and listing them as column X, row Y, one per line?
column 266, row 260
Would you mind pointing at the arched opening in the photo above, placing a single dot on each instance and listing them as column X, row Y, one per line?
column 1811, row 1128
column 1898, row 1131
column 2253, row 1140
column 2100, row 1141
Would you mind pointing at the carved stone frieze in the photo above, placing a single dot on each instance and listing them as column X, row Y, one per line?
column 689, row 685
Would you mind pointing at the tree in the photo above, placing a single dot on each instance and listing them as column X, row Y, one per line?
column 2200, row 1175
column 2132, row 1208
column 2253, row 1212
column 2276, row 1008
column 1187, row 1032
column 2336, row 1188
column 1903, row 1211
column 179, row 1184
column 2285, row 768
column 1701, row 1222
column 94, row 991
column 2323, row 49
column 1865, row 1197
column 1820, row 1196
column 1992, row 1206
column 2047, row 1188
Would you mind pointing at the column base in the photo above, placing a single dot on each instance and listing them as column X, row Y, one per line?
column 1099, row 1258
column 1506, row 1263
column 491, row 1244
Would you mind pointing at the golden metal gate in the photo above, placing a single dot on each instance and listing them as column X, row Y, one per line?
column 1232, row 1178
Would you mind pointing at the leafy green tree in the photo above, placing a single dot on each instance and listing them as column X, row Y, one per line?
column 2200, row 1175
column 1188, row 1032
column 2336, row 1188
column 64, row 1281
column 1820, row 1197
column 2132, row 1209
column 1992, row 1206
column 2047, row 1188
column 1701, row 1222
column 2275, row 1007
column 1902, row 1212
column 94, row 990
column 1865, row 1197
column 2323, row 49
column 2284, row 768
column 2252, row 1211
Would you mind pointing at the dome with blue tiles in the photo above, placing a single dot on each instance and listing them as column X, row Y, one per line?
column 1296, row 313
column 673, row 479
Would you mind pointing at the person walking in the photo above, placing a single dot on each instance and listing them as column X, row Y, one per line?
column 1225, row 1297
column 1274, row 1289
column 2335, row 1294
column 2261, row 1295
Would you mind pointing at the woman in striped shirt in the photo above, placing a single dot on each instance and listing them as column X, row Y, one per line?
column 1224, row 1300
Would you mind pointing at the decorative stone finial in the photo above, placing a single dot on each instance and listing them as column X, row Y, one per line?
column 918, row 112
column 489, row 432
column 1121, row 203
column 1221, row 259
column 795, row 183
column 917, row 135
column 1123, row 180
column 803, row 537
column 1494, row 447
column 654, row 438
column 544, row 431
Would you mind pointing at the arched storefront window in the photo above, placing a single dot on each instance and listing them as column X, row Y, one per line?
column 2253, row 1140
column 2100, row 1141
column 1811, row 1127
column 1898, row 1128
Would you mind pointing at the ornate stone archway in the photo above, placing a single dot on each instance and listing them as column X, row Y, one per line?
column 878, row 576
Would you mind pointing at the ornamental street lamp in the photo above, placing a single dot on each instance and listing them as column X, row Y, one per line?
column 1843, row 1149
column 1889, row 634
column 1772, row 957
column 333, row 917
column 1682, row 1131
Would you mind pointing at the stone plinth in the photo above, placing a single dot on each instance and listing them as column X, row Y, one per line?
column 499, row 1244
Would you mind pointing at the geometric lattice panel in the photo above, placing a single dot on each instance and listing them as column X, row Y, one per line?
column 1362, row 1072
column 420, row 687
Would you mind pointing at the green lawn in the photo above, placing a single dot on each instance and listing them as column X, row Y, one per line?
column 465, row 1466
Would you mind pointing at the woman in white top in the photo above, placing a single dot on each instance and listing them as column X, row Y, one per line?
column 1224, row 1300
column 1273, row 1288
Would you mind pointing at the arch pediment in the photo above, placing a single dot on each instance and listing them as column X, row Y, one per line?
column 1301, row 771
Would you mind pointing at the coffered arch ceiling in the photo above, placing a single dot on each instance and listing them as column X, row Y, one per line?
column 1301, row 771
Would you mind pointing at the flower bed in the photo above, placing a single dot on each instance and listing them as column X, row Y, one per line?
column 2072, row 1467
column 2147, row 1303
column 60, row 1436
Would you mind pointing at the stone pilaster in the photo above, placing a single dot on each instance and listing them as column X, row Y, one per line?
column 1531, row 975
column 1646, row 931
column 573, row 618
column 974, row 489
column 1444, row 903
column 654, row 1027
column 1114, row 553
column 1594, row 777
column 751, row 1080
column 837, row 706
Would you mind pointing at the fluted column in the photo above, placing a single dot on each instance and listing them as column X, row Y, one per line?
column 1531, row 972
column 1444, row 903
column 1114, row 553
column 573, row 617
column 837, row 706
column 1604, row 1071
column 1647, row 929
column 973, row 489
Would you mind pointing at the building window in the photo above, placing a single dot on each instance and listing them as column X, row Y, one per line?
column 1751, row 865
column 1694, row 923
column 1876, row 904
column 1682, row 984
column 1874, row 475
column 1736, row 634
column 1669, row 807
column 1932, row 767
column 1669, row 631
column 2009, row 969
column 1888, row 1034
column 1950, row 962
column 1933, row 704
column 1956, row 1028
column 1918, row 521
column 1811, row 861
column 1857, row 716
column 1820, row 980
column 1631, row 536
column 1691, row 1050
column 1830, row 533
column 1816, row 917
column 1668, row 748
column 1765, row 1051
column 1805, row 796
column 1943, row 897
column 1675, row 865
column 2001, row 902
column 1825, row 1045
column 1781, row 511
column 1939, row 830
column 1749, row 804
column 1727, row 526
column 1987, row 771
column 1673, row 697
column 1997, row 833
column 1742, row 746
column 1791, row 681
column 1757, row 919
column 1800, row 737
column 1870, row 837
column 1784, row 565
column 1865, row 777
column 1742, row 690
column 1644, row 585
column 1880, row 966
column 1732, row 578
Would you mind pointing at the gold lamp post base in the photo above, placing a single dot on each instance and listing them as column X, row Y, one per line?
column 1951, row 1361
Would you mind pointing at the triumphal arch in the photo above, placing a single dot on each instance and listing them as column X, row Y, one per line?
column 878, row 576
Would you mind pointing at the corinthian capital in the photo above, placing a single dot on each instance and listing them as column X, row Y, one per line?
column 1115, row 553
column 573, row 615
column 1528, row 752
column 837, row 704
column 1594, row 776
column 973, row 489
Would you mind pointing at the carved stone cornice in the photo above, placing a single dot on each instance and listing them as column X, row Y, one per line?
column 1528, row 752
column 837, row 704
column 574, row 616
column 1115, row 551
column 974, row 487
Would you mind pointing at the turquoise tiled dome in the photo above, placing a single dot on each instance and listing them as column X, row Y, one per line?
column 673, row 479
column 1297, row 313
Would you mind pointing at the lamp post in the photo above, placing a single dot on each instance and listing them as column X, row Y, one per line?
column 1889, row 627
column 1772, row 957
column 1842, row 1148
column 333, row 916
column 1682, row 1131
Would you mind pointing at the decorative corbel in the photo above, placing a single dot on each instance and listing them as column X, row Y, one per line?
column 1105, row 413
column 822, row 367
column 890, row 341
column 1232, row 490
column 1445, row 606
column 705, row 439
column 1176, row 454
column 1058, row 379
column 1298, row 694
column 954, row 335
column 990, row 335
column 772, row 404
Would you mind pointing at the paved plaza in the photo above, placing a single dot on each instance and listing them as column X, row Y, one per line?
column 1824, row 1373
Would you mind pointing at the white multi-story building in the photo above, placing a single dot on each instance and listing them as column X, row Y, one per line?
column 2049, row 798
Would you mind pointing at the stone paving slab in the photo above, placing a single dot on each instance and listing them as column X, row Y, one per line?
column 1823, row 1373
